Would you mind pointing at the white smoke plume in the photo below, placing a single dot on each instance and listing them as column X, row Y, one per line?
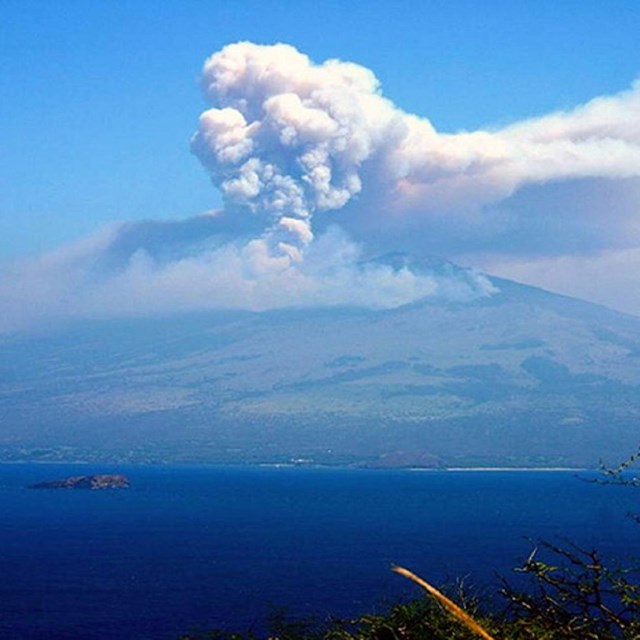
column 288, row 139
column 95, row 278
column 319, row 171
column 598, row 140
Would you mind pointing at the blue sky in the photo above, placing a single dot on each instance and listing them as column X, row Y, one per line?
column 504, row 135
column 100, row 98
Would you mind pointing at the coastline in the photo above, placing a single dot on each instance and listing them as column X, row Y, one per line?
column 543, row 469
column 294, row 465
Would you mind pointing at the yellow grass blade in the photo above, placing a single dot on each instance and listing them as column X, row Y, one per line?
column 450, row 606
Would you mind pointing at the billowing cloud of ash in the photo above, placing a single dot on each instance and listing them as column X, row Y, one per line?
column 294, row 143
column 320, row 172
column 287, row 138
column 167, row 267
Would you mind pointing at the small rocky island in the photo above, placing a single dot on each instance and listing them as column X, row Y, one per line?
column 85, row 482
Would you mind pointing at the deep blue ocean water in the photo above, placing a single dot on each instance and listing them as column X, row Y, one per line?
column 199, row 547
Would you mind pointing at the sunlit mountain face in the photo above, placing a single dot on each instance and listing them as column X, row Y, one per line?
column 307, row 318
column 517, row 377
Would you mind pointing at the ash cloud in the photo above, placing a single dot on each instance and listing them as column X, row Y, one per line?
column 137, row 269
column 320, row 171
column 286, row 138
column 297, row 144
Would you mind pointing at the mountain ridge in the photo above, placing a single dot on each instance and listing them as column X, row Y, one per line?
column 523, row 377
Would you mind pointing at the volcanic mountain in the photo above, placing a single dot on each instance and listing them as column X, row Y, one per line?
column 522, row 377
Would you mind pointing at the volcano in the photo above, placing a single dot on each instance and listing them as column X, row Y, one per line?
column 522, row 377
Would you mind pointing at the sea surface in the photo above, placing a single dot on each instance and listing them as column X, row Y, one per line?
column 198, row 547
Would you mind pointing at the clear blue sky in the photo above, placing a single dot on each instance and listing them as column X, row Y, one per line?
column 100, row 97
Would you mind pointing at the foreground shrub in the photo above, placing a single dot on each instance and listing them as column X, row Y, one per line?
column 562, row 593
column 570, row 595
column 573, row 595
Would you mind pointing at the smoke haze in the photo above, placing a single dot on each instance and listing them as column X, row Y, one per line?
column 319, row 172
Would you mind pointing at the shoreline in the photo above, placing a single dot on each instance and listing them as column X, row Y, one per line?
column 292, row 465
column 554, row 469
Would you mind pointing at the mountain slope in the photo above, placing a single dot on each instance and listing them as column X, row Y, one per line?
column 522, row 377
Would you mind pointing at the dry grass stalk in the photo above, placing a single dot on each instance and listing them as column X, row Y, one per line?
column 450, row 606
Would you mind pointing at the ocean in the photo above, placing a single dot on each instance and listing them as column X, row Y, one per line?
column 202, row 547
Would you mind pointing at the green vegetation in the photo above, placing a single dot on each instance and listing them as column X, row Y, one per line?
column 570, row 596
column 527, row 378
column 560, row 593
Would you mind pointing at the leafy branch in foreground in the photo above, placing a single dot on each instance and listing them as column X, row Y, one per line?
column 576, row 598
column 615, row 475
column 570, row 594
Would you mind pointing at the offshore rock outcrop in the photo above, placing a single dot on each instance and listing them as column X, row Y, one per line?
column 115, row 481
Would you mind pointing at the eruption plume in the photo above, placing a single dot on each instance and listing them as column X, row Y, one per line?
column 319, row 172
column 287, row 138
